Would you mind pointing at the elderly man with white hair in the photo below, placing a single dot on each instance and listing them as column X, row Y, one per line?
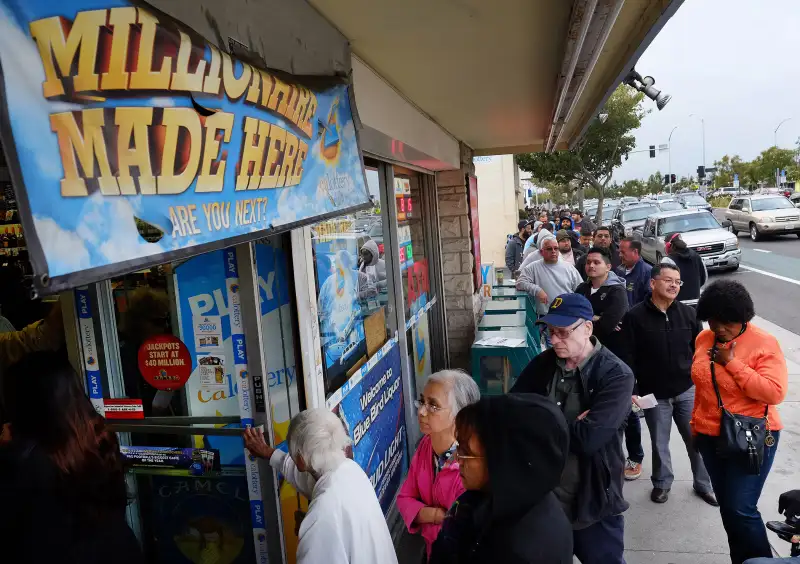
column 433, row 483
column 344, row 523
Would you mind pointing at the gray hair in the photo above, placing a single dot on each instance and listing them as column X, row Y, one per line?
column 461, row 388
column 319, row 437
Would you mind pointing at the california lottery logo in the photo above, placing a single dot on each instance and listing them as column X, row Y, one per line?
column 252, row 458
column 234, row 288
column 91, row 361
column 261, row 537
column 329, row 139
column 243, row 374
column 163, row 373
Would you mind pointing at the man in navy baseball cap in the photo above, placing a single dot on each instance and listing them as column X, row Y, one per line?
column 566, row 310
column 593, row 389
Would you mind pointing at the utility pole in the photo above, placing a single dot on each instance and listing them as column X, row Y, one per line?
column 703, row 124
column 669, row 152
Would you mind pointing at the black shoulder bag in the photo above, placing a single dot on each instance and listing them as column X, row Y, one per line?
column 741, row 437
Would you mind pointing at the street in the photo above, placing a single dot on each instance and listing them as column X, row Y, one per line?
column 771, row 272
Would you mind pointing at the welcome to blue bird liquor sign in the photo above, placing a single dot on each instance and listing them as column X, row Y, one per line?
column 132, row 141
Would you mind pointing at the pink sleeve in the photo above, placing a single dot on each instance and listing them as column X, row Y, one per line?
column 453, row 490
column 408, row 502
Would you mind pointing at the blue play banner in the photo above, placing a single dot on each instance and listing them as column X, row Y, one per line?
column 132, row 141
column 372, row 412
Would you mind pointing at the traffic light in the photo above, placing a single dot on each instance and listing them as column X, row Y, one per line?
column 652, row 151
column 701, row 171
column 673, row 179
column 666, row 179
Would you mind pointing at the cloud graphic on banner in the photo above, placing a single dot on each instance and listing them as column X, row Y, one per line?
column 292, row 205
column 26, row 68
column 64, row 244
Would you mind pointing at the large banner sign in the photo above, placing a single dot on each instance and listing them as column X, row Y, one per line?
column 372, row 412
column 133, row 137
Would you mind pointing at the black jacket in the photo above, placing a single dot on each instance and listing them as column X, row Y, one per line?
column 519, row 520
column 597, row 438
column 615, row 261
column 514, row 249
column 659, row 347
column 610, row 302
column 43, row 519
column 693, row 273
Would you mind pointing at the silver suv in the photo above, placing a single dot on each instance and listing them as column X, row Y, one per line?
column 763, row 215
column 718, row 248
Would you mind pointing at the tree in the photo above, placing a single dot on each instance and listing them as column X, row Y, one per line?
column 655, row 183
column 601, row 150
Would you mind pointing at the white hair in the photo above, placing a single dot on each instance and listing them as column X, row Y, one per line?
column 461, row 388
column 319, row 437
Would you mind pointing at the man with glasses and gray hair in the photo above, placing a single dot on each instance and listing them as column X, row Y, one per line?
column 593, row 389
column 658, row 344
column 344, row 523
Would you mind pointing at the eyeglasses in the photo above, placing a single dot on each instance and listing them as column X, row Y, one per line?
column 429, row 407
column 671, row 281
column 563, row 333
column 459, row 456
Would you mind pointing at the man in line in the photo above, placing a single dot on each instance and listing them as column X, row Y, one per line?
column 586, row 235
column 515, row 246
column 659, row 336
column 606, row 292
column 577, row 219
column 568, row 253
column 636, row 273
column 592, row 387
column 602, row 238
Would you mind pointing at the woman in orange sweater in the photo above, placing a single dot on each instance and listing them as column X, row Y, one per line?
column 752, row 377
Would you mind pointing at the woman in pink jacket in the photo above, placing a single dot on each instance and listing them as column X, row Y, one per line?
column 433, row 481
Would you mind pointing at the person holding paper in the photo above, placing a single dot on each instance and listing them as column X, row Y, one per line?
column 658, row 344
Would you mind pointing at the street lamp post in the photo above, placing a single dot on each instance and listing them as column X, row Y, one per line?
column 703, row 123
column 669, row 153
column 777, row 128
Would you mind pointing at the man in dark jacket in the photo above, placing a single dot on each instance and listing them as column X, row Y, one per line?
column 659, row 336
column 634, row 270
column 693, row 270
column 602, row 238
column 636, row 273
column 606, row 292
column 511, row 451
column 593, row 388
column 515, row 246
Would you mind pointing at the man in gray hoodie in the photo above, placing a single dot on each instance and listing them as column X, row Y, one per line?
column 545, row 279
column 373, row 265
column 608, row 296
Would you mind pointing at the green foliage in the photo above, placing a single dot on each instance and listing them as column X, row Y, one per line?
column 601, row 150
column 720, row 201
column 759, row 170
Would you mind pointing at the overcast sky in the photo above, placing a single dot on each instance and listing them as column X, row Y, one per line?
column 736, row 64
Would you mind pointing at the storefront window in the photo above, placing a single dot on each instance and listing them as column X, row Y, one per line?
column 353, row 291
column 414, row 258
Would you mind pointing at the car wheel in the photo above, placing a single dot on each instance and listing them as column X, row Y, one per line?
column 754, row 234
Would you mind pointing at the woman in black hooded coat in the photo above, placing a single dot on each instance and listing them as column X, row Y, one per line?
column 511, row 451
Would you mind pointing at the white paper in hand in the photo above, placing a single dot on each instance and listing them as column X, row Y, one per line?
column 646, row 402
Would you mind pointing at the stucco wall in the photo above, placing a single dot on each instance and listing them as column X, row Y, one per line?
column 498, row 210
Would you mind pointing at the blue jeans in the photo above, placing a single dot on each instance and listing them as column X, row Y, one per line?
column 737, row 493
column 601, row 543
column 633, row 438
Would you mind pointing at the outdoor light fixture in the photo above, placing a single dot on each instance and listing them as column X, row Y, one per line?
column 645, row 85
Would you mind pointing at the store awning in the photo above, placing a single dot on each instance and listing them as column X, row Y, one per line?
column 507, row 76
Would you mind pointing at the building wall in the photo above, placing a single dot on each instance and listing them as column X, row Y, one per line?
column 498, row 205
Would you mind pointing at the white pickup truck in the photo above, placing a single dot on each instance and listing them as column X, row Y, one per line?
column 718, row 247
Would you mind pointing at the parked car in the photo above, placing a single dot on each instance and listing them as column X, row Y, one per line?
column 693, row 202
column 727, row 191
column 795, row 199
column 718, row 247
column 625, row 220
column 763, row 215
column 629, row 201
column 669, row 205
column 785, row 192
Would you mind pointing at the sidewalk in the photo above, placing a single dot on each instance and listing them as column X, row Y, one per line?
column 687, row 531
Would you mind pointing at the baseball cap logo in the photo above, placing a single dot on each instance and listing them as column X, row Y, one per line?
column 557, row 302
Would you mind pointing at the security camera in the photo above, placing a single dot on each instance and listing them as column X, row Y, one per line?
column 645, row 85
column 602, row 117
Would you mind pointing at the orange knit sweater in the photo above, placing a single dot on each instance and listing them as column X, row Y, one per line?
column 756, row 376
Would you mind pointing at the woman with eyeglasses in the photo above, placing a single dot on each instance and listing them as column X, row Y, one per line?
column 738, row 370
column 511, row 452
column 433, row 483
